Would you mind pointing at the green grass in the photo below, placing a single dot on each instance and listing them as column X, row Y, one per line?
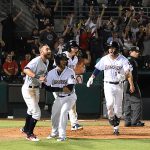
column 76, row 144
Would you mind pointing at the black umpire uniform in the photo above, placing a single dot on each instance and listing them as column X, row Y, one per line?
column 132, row 101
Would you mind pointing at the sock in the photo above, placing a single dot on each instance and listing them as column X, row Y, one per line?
column 27, row 123
column 32, row 125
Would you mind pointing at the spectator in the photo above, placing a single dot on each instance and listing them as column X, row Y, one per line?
column 44, row 12
column 8, row 29
column 140, row 37
column 141, row 17
column 84, row 37
column 134, row 30
column 147, row 41
column 48, row 36
column 24, row 62
column 2, row 49
column 10, row 69
column 59, row 45
column 33, row 43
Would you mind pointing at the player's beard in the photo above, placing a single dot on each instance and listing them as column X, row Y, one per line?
column 47, row 56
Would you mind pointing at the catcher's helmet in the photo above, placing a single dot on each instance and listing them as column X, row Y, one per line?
column 60, row 57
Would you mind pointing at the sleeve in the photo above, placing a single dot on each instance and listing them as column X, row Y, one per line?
column 131, row 64
column 48, row 79
column 71, row 79
column 127, row 65
column 32, row 65
column 100, row 64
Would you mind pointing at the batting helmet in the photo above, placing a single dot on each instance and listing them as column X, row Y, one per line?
column 114, row 44
column 69, row 45
column 60, row 57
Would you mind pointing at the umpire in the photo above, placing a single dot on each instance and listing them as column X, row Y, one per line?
column 132, row 101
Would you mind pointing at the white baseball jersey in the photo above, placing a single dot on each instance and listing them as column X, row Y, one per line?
column 31, row 94
column 72, row 62
column 113, row 68
column 65, row 78
column 63, row 101
column 39, row 68
column 114, row 72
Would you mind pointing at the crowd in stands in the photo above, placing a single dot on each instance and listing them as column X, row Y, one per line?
column 130, row 28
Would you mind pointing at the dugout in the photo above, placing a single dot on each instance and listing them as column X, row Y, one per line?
column 3, row 99
column 90, row 101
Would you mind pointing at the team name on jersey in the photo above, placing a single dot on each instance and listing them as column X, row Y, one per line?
column 112, row 67
column 59, row 82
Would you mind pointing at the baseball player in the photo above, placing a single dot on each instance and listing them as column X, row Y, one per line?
column 132, row 101
column 71, row 50
column 35, row 72
column 61, row 77
column 116, row 68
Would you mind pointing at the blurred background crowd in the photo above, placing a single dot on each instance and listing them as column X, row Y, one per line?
column 92, row 23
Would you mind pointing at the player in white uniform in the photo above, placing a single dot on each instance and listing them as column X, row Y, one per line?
column 35, row 72
column 116, row 69
column 61, row 77
column 71, row 51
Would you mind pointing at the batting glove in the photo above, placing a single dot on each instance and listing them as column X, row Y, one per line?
column 90, row 82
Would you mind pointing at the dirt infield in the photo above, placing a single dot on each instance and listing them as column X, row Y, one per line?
column 92, row 132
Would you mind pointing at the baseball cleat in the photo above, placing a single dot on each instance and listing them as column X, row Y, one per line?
column 32, row 137
column 52, row 136
column 61, row 139
column 76, row 127
column 116, row 132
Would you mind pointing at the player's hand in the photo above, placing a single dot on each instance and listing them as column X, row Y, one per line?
column 66, row 90
column 90, row 82
column 132, row 89
column 42, row 79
